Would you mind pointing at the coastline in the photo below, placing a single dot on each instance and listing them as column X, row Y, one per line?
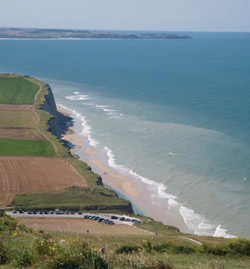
column 123, row 184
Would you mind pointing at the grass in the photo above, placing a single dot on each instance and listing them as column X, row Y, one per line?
column 17, row 90
column 23, row 247
column 75, row 198
column 20, row 147
column 17, row 119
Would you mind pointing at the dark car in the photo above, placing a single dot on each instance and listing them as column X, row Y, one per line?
column 122, row 219
column 110, row 222
column 100, row 219
column 114, row 217
column 14, row 212
column 72, row 213
column 46, row 212
column 66, row 212
column 29, row 212
column 79, row 213
column 20, row 211
column 51, row 212
column 34, row 212
column 86, row 217
column 40, row 212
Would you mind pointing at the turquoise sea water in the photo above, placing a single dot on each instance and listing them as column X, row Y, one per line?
column 174, row 112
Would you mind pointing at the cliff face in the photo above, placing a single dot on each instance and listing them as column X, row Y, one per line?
column 59, row 123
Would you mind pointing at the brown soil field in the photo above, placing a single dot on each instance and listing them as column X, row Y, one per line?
column 81, row 226
column 15, row 107
column 25, row 119
column 26, row 174
column 19, row 133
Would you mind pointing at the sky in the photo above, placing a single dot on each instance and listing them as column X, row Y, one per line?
column 152, row 15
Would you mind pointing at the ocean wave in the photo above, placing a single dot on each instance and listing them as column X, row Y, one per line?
column 222, row 232
column 86, row 129
column 77, row 97
column 195, row 223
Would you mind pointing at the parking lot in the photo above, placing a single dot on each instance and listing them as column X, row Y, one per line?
column 109, row 219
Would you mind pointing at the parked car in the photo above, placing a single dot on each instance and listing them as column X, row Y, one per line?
column 46, row 212
column 41, row 212
column 14, row 212
column 29, row 212
column 34, row 212
column 79, row 213
column 51, row 212
column 86, row 217
column 114, row 217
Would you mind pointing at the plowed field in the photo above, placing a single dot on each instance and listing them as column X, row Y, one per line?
column 29, row 174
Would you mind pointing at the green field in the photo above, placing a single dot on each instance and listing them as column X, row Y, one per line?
column 18, row 91
column 17, row 119
column 75, row 198
column 19, row 147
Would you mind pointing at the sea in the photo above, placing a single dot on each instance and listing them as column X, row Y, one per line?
column 172, row 114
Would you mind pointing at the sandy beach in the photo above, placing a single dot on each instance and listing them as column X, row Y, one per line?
column 133, row 190
column 117, row 181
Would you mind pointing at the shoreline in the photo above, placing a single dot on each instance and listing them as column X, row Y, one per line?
column 133, row 190
column 148, row 198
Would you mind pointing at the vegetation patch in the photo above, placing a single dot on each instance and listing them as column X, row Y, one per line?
column 75, row 198
column 17, row 90
column 23, row 119
column 20, row 147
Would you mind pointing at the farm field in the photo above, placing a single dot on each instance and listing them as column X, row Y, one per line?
column 19, row 133
column 20, row 147
column 81, row 226
column 48, row 174
column 17, row 90
column 17, row 119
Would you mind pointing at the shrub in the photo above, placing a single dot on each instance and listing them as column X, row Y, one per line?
column 24, row 257
column 77, row 257
column 147, row 245
column 127, row 249
column 239, row 246
column 3, row 253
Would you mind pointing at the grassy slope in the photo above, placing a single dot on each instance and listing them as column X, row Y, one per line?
column 22, row 147
column 76, row 198
column 23, row 247
column 17, row 119
column 17, row 91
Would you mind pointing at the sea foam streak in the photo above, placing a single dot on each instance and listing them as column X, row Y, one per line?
column 195, row 223
column 86, row 130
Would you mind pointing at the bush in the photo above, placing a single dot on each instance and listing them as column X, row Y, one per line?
column 127, row 249
column 24, row 257
column 3, row 253
column 77, row 257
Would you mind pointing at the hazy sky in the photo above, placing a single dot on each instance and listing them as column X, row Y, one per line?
column 167, row 15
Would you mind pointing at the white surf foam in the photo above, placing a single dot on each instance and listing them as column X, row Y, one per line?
column 77, row 97
column 86, row 129
column 222, row 232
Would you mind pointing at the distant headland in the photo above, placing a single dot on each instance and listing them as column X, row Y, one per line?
column 25, row 33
